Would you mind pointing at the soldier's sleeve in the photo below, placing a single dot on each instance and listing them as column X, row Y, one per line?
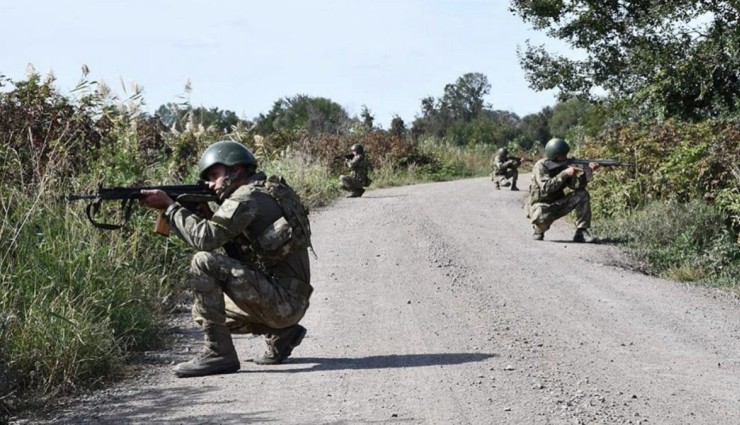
column 546, row 183
column 354, row 163
column 231, row 219
column 578, row 182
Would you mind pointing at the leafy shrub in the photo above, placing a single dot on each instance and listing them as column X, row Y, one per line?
column 682, row 241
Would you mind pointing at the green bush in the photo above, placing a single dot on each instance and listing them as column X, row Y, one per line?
column 681, row 241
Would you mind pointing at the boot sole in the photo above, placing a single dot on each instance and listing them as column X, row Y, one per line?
column 217, row 371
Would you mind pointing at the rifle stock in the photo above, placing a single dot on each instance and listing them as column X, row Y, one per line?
column 187, row 194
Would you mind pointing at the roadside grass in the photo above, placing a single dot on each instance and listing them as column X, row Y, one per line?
column 445, row 162
column 686, row 242
column 75, row 301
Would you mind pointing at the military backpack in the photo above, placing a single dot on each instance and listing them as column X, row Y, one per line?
column 292, row 231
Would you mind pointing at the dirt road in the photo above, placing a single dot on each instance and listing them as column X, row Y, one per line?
column 434, row 306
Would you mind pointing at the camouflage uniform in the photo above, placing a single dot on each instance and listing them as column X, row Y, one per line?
column 505, row 167
column 548, row 200
column 358, row 178
column 247, row 293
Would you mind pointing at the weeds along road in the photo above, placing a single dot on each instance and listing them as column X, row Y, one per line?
column 434, row 306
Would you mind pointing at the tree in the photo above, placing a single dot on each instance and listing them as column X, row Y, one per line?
column 464, row 99
column 461, row 103
column 534, row 129
column 568, row 114
column 367, row 118
column 315, row 115
column 677, row 58
column 221, row 120
column 398, row 127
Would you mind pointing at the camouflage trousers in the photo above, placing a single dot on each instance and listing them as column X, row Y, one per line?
column 350, row 183
column 510, row 173
column 543, row 215
column 229, row 292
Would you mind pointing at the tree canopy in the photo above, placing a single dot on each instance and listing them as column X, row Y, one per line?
column 315, row 115
column 677, row 58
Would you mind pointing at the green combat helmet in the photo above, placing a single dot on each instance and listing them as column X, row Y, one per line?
column 225, row 152
column 358, row 148
column 503, row 152
column 556, row 147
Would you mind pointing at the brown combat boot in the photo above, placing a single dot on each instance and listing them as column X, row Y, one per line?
column 215, row 357
column 280, row 343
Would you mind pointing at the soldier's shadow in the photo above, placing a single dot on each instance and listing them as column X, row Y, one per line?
column 315, row 364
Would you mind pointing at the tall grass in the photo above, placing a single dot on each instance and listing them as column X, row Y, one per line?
column 687, row 242
column 442, row 161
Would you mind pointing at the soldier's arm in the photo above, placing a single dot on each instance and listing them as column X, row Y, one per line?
column 549, row 184
column 231, row 219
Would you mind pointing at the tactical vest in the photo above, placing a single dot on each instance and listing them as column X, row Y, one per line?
column 289, row 233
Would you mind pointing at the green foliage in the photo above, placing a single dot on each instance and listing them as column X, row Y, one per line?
column 674, row 162
column 464, row 99
column 675, row 59
column 74, row 301
column 302, row 113
column 461, row 103
column 179, row 116
column 398, row 127
column 681, row 241
column 567, row 115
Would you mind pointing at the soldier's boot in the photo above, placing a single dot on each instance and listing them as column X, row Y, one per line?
column 539, row 231
column 513, row 187
column 498, row 186
column 280, row 344
column 583, row 235
column 506, row 183
column 217, row 355
column 356, row 193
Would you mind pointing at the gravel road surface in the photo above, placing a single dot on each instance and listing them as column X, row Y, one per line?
column 434, row 306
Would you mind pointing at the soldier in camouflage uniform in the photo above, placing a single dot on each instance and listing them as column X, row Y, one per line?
column 505, row 167
column 358, row 178
column 548, row 200
column 247, row 288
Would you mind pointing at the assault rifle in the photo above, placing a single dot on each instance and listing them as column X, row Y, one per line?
column 583, row 163
column 189, row 195
column 347, row 156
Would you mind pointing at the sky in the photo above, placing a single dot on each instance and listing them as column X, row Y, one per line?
column 245, row 55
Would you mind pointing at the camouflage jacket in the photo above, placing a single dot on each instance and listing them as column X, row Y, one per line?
column 549, row 185
column 235, row 226
column 502, row 162
column 359, row 167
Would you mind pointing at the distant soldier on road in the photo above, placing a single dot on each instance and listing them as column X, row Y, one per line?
column 548, row 200
column 358, row 179
column 505, row 167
